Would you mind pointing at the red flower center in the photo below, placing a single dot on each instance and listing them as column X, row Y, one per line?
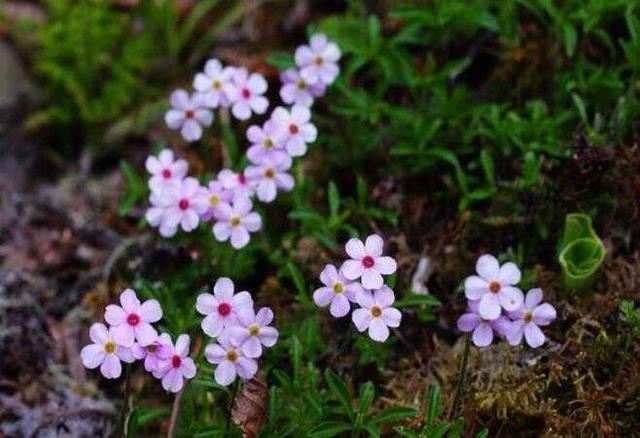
column 224, row 309
column 133, row 319
column 166, row 173
column 246, row 93
column 293, row 129
column 189, row 114
column 176, row 361
column 183, row 204
column 494, row 287
column 367, row 261
column 318, row 60
column 242, row 179
column 528, row 316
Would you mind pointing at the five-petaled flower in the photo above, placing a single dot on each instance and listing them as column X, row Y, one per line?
column 318, row 60
column 245, row 91
column 236, row 221
column 264, row 142
column 132, row 320
column 230, row 361
column 212, row 82
column 105, row 352
column 175, row 364
column 295, row 129
column 252, row 330
column 376, row 313
column 367, row 262
column 494, row 286
column 296, row 91
column 337, row 291
column 151, row 353
column 188, row 114
column 269, row 175
column 482, row 328
column 165, row 170
column 528, row 318
column 221, row 308
column 236, row 183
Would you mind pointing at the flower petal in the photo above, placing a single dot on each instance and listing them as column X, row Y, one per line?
column 385, row 265
column 510, row 298
column 206, row 304
column 371, row 279
column 351, row 269
column 340, row 306
column 468, row 322
column 489, row 307
column 533, row 298
column 252, row 348
column 151, row 311
column 475, row 287
column 225, row 373
column 544, row 314
column 482, row 335
column 384, row 297
column 92, row 355
column 182, row 345
column 322, row 296
column 123, row 335
column 509, row 274
column 98, row 333
column 246, row 367
column 391, row 317
column 145, row 333
column 212, row 325
column 111, row 368
column 488, row 267
column 129, row 301
column 374, row 245
column 361, row 318
column 223, row 289
column 533, row 335
column 355, row 249
column 378, row 330
column 329, row 275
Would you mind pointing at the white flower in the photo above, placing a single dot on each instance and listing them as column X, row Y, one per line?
column 271, row 175
column 376, row 313
column 264, row 142
column 317, row 61
column 245, row 91
column 295, row 129
column 367, row 262
column 212, row 83
column 235, row 221
column 236, row 182
column 188, row 114
column 295, row 91
column 164, row 170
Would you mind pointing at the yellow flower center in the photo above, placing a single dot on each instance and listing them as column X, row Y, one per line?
column 216, row 85
column 267, row 143
column 232, row 355
column 301, row 85
column 319, row 60
column 528, row 316
column 109, row 347
column 254, row 329
column 338, row 288
column 235, row 221
column 151, row 348
column 214, row 200
column 376, row 311
column 270, row 173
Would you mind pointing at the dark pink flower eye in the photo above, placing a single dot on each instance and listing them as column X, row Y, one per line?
column 189, row 114
column 246, row 93
column 133, row 319
column 293, row 129
column 242, row 179
column 183, row 204
column 176, row 361
column 224, row 309
column 166, row 173
column 367, row 261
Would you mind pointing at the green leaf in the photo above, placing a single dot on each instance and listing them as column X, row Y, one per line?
column 418, row 300
column 367, row 393
column 281, row 60
column 488, row 167
column 433, row 407
column 334, row 198
column 329, row 429
column 393, row 414
column 339, row 390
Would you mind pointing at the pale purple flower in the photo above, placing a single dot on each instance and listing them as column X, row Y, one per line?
column 264, row 142
column 105, row 352
column 294, row 128
column 337, row 291
column 188, row 114
column 318, row 60
column 245, row 91
column 269, row 176
column 367, row 262
column 152, row 353
column 221, row 308
column 215, row 194
column 165, row 170
column 295, row 91
column 181, row 205
column 236, row 182
column 494, row 287
column 376, row 313
column 132, row 320
column 236, row 221
column 230, row 361
column 252, row 331
column 212, row 83
column 528, row 318
column 176, row 365
column 482, row 328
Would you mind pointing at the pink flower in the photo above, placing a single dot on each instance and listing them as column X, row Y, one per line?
column 105, row 352
column 264, row 142
column 212, row 83
column 176, row 365
column 295, row 129
column 494, row 287
column 236, row 221
column 252, row 331
column 376, row 314
column 215, row 194
column 221, row 308
column 230, row 360
column 181, row 205
column 271, row 175
column 337, row 291
column 318, row 60
column 245, row 91
column 367, row 262
column 165, row 170
column 133, row 320
column 235, row 182
column 528, row 318
column 295, row 91
column 152, row 353
column 188, row 114
column 482, row 329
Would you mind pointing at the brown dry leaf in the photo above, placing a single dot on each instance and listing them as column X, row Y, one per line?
column 252, row 405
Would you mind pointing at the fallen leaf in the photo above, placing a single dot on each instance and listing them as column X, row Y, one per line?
column 252, row 405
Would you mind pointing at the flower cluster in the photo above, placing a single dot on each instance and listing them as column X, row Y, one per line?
column 497, row 306
column 240, row 332
column 360, row 281
column 131, row 336
column 178, row 201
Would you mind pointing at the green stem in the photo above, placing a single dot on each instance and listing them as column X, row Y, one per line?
column 231, row 402
column 125, row 401
column 461, row 376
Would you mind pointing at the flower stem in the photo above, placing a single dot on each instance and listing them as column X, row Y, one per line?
column 461, row 376
column 174, row 413
column 125, row 401
column 231, row 402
